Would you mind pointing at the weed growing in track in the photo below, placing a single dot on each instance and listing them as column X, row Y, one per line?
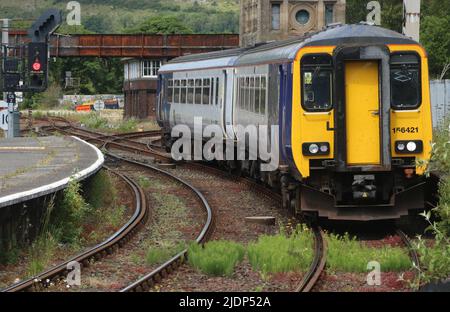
column 216, row 258
column 164, row 252
column 347, row 254
column 282, row 253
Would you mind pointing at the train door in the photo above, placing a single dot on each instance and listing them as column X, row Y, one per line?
column 362, row 109
column 226, row 103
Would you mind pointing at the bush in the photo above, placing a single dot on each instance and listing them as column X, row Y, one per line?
column 435, row 259
column 128, row 125
column 100, row 191
column 346, row 254
column 282, row 253
column 94, row 121
column 216, row 258
column 71, row 213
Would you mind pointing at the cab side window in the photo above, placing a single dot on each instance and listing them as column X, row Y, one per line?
column 405, row 81
column 317, row 82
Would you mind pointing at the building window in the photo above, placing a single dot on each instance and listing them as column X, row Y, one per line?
column 302, row 17
column 276, row 13
column 150, row 68
column 126, row 72
column 132, row 71
column 329, row 13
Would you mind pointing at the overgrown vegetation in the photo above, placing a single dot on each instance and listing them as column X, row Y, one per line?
column 282, row 253
column 435, row 258
column 74, row 217
column 347, row 254
column 95, row 121
column 163, row 252
column 71, row 214
column 216, row 258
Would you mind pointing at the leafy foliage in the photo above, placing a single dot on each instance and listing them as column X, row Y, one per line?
column 435, row 258
column 163, row 25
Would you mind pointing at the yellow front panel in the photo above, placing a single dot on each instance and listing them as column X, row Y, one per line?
column 362, row 113
column 308, row 127
column 414, row 124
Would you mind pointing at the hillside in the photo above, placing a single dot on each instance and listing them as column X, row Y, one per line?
column 117, row 16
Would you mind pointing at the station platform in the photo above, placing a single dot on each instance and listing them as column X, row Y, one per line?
column 34, row 167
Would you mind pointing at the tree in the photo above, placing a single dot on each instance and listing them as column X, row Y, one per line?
column 391, row 13
column 163, row 25
column 436, row 39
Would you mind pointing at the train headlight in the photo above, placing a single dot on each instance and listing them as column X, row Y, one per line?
column 409, row 147
column 313, row 149
column 316, row 149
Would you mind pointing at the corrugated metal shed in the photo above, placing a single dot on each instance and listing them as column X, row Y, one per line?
column 440, row 100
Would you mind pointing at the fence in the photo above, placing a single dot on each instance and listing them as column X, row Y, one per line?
column 440, row 100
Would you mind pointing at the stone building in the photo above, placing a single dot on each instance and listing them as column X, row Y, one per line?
column 269, row 20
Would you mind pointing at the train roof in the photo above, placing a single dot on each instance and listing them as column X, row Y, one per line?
column 286, row 50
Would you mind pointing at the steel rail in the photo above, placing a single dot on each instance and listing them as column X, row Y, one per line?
column 318, row 265
column 117, row 240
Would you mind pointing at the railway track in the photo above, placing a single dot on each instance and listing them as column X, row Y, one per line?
column 124, row 143
column 110, row 245
column 413, row 255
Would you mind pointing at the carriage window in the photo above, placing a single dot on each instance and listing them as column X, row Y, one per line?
column 263, row 95
column 183, row 92
column 190, row 91
column 252, row 94
column 247, row 94
column 317, row 82
column 176, row 93
column 206, row 91
column 170, row 91
column 217, row 91
column 405, row 81
column 257, row 94
column 198, row 91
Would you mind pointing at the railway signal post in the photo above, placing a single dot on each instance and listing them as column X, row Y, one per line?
column 25, row 66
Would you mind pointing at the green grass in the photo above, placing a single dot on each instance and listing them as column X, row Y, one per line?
column 93, row 121
column 162, row 253
column 346, row 254
column 100, row 191
column 282, row 252
column 144, row 182
column 217, row 258
column 128, row 125
column 41, row 253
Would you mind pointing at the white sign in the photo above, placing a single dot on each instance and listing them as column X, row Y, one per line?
column 3, row 105
column 4, row 116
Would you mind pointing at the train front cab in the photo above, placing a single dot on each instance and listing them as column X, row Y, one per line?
column 361, row 119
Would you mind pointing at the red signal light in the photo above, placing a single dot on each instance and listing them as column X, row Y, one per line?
column 37, row 66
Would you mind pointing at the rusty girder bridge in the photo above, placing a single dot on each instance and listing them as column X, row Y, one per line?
column 136, row 45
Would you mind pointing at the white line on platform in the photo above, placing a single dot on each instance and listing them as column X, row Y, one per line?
column 50, row 188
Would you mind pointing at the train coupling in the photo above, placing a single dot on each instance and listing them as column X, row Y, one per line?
column 364, row 187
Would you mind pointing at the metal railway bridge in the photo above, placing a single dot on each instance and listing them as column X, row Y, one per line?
column 139, row 92
column 136, row 46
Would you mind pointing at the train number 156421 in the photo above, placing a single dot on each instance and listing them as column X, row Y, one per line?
column 406, row 130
